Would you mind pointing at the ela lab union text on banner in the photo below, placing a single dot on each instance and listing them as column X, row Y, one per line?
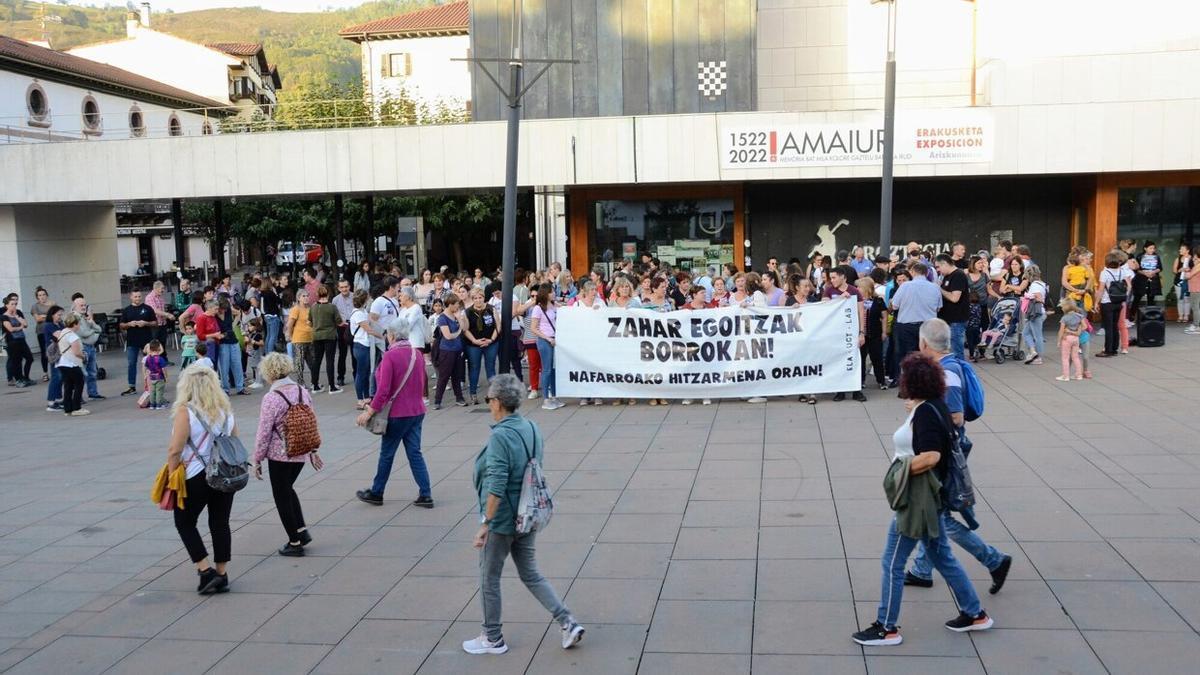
column 921, row 138
column 708, row 353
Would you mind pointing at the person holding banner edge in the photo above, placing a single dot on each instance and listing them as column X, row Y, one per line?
column 839, row 287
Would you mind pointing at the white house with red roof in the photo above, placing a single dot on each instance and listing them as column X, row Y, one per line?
column 413, row 53
column 234, row 73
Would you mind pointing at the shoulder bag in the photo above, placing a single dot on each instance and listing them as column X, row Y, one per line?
column 378, row 422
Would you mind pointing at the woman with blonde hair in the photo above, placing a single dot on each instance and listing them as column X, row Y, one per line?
column 299, row 332
column 623, row 296
column 201, row 409
column 1077, row 279
column 270, row 443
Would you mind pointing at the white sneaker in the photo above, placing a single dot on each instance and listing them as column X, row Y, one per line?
column 707, row 401
column 558, row 404
column 256, row 385
column 549, row 405
column 572, row 633
column 533, row 393
column 597, row 401
column 481, row 645
column 1129, row 324
column 81, row 412
column 686, row 401
column 583, row 401
column 756, row 399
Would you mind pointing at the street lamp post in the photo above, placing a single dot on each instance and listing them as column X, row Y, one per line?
column 889, row 128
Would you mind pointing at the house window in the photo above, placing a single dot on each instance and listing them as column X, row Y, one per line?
column 91, row 116
column 137, row 123
column 397, row 65
column 174, row 126
column 38, row 106
column 207, row 129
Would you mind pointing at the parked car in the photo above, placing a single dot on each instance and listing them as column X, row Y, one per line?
column 312, row 252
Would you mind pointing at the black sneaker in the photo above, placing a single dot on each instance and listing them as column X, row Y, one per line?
column 305, row 537
column 876, row 635
column 369, row 497
column 317, row 389
column 97, row 397
column 965, row 622
column 860, row 397
column 129, row 391
column 335, row 390
column 911, row 579
column 207, row 578
column 341, row 382
column 460, row 403
column 220, row 584
column 424, row 502
column 292, row 550
column 1000, row 574
column 839, row 396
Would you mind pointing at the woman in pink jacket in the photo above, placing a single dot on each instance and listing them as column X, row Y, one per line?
column 276, row 369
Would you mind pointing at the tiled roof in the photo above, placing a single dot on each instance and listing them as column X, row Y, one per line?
column 20, row 55
column 449, row 19
column 237, row 48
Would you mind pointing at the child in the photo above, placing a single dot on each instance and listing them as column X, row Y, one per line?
column 156, row 373
column 187, row 345
column 255, row 338
column 202, row 356
column 1069, row 331
column 974, row 324
column 991, row 336
column 1085, row 347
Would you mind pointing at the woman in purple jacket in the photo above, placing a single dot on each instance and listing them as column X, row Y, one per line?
column 400, row 379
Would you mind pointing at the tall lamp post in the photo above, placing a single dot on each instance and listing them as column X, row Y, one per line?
column 889, row 128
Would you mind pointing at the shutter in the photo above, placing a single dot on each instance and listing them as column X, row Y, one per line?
column 408, row 64
column 387, row 65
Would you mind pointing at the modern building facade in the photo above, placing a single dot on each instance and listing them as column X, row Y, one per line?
column 236, row 74
column 413, row 55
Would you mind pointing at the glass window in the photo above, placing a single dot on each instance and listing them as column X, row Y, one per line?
column 1167, row 216
column 686, row 233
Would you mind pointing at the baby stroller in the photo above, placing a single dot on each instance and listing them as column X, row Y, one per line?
column 1006, row 319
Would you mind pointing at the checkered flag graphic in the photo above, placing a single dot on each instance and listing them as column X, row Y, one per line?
column 712, row 76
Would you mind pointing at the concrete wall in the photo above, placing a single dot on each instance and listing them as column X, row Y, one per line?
column 636, row 57
column 434, row 76
column 63, row 248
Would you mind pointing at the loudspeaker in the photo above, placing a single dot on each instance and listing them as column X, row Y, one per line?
column 1151, row 326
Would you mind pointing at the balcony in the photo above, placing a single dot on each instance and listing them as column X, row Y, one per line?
column 242, row 88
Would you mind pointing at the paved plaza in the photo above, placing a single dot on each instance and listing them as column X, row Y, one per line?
column 722, row 539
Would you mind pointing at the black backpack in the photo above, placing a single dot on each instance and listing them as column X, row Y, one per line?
column 1117, row 289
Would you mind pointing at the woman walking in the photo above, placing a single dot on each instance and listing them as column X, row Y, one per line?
column 70, row 367
column 920, row 465
column 449, row 363
column 270, row 443
column 541, row 324
column 201, row 410
column 399, row 394
column 499, row 473
column 299, row 333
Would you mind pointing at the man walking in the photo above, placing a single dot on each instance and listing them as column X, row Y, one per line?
column 956, row 303
column 139, row 322
column 915, row 302
column 89, row 333
column 935, row 343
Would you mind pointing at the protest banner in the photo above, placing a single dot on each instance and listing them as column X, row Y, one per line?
column 708, row 353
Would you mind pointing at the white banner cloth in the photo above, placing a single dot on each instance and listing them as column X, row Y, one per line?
column 708, row 353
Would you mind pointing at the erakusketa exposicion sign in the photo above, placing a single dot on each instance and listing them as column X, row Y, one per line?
column 921, row 138
column 708, row 353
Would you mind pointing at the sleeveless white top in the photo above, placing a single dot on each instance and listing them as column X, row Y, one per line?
column 198, row 451
column 902, row 440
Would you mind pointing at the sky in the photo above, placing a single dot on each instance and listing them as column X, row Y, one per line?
column 275, row 5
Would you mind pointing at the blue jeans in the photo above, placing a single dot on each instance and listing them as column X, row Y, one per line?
column 89, row 370
column 964, row 537
column 958, row 339
column 546, row 353
column 1033, row 335
column 273, row 325
column 132, row 354
column 55, row 391
column 362, row 372
column 474, row 354
column 407, row 429
column 895, row 557
column 229, row 366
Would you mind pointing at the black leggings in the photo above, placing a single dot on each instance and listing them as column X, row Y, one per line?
column 200, row 495
column 449, row 371
column 72, row 387
column 874, row 349
column 1110, row 314
column 327, row 350
column 287, row 502
column 41, row 353
column 20, row 359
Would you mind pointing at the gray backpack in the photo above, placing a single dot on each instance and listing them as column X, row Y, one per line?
column 228, row 467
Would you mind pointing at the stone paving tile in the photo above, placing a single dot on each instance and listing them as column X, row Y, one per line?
column 607, row 649
column 1134, row 653
column 1010, row 650
column 261, row 657
column 694, row 664
column 701, row 626
column 69, row 655
column 184, row 656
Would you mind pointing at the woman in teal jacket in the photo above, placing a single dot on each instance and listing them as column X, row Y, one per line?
column 499, row 472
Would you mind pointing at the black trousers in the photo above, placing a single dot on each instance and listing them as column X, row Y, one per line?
column 1110, row 313
column 72, row 384
column 343, row 347
column 517, row 351
column 20, row 359
column 219, row 504
column 287, row 502
column 323, row 350
column 874, row 350
column 450, row 370
column 41, row 352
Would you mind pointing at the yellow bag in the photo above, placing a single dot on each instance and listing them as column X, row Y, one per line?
column 170, row 488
